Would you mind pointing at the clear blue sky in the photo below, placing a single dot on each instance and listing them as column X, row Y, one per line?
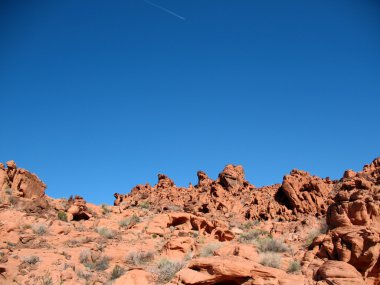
column 98, row 96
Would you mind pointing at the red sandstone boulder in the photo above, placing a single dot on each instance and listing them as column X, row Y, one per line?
column 306, row 194
column 338, row 272
column 232, row 177
column 77, row 209
column 354, row 222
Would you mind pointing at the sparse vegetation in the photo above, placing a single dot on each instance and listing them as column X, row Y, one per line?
column 248, row 225
column 46, row 279
column 84, row 275
column 144, row 205
column 12, row 200
column 166, row 269
column 139, row 257
column 105, row 209
column 271, row 260
column 105, row 232
column 130, row 221
column 39, row 229
column 209, row 249
column 25, row 227
column 252, row 235
column 93, row 260
column 8, row 191
column 294, row 266
column 117, row 271
column 31, row 259
column 62, row 216
column 316, row 232
column 273, row 245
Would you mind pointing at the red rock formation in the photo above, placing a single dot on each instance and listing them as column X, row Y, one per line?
column 232, row 195
column 78, row 209
column 354, row 222
column 23, row 183
column 232, row 270
column 305, row 194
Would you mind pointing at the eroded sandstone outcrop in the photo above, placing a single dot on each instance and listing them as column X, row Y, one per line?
column 354, row 223
column 77, row 209
column 305, row 194
column 22, row 183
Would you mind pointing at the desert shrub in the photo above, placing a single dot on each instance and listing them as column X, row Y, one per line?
column 62, row 216
column 12, row 200
column 84, row 275
column 25, row 227
column 273, row 245
column 271, row 260
column 154, row 235
column 93, row 260
column 294, row 266
column 248, row 225
column 139, row 257
column 105, row 232
column 46, row 279
column 39, row 229
column 8, row 191
column 209, row 249
column 174, row 208
column 117, row 271
column 81, row 228
column 85, row 256
column 166, row 269
column 252, row 235
column 31, row 259
column 132, row 220
column 144, row 205
column 105, row 209
column 322, row 229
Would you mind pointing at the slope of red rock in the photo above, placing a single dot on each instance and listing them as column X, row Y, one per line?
column 306, row 230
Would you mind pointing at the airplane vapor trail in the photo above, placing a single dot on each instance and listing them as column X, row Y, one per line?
column 165, row 10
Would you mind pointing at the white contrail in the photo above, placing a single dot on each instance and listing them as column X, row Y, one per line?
column 165, row 10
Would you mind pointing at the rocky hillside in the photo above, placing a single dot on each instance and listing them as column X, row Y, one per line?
column 306, row 230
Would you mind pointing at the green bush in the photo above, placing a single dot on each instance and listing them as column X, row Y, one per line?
column 62, row 216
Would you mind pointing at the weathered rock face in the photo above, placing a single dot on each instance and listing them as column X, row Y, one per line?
column 354, row 222
column 4, row 180
column 78, row 209
column 232, row 177
column 337, row 272
column 305, row 194
column 22, row 182
column 231, row 270
column 231, row 195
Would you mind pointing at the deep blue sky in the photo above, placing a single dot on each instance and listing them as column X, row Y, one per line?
column 98, row 96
